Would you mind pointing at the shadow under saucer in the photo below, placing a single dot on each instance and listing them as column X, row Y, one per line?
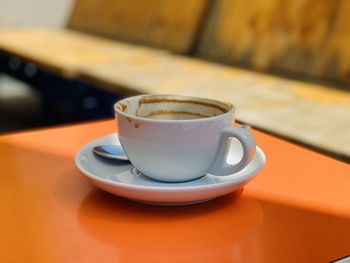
column 219, row 230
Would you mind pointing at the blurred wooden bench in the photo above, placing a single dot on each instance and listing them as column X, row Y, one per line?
column 164, row 24
column 50, row 59
column 128, row 47
column 307, row 39
column 62, row 51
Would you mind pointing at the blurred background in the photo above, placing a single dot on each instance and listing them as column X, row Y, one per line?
column 284, row 64
column 19, row 102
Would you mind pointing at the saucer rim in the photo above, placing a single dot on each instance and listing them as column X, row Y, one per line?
column 235, row 181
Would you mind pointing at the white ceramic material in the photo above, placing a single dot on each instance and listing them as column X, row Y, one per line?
column 120, row 178
column 183, row 149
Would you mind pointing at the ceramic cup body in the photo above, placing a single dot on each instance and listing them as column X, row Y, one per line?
column 174, row 138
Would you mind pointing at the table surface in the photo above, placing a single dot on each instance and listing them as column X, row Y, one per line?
column 296, row 210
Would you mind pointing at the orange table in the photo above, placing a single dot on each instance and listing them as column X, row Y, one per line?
column 296, row 210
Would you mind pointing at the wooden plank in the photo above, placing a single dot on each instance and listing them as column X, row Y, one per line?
column 338, row 44
column 304, row 38
column 313, row 115
column 65, row 51
column 166, row 24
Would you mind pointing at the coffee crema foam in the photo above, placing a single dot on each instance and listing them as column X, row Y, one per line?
column 178, row 108
column 172, row 107
column 173, row 115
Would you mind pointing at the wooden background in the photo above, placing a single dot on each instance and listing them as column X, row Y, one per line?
column 306, row 38
column 297, row 38
column 166, row 24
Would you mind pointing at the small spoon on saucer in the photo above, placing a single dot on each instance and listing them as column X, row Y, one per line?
column 111, row 152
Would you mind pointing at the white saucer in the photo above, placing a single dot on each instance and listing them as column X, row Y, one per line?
column 122, row 179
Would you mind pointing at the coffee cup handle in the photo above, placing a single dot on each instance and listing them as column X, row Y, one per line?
column 243, row 135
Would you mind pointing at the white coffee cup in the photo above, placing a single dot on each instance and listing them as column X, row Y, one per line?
column 175, row 138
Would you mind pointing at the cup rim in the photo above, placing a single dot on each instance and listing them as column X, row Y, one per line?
column 144, row 119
